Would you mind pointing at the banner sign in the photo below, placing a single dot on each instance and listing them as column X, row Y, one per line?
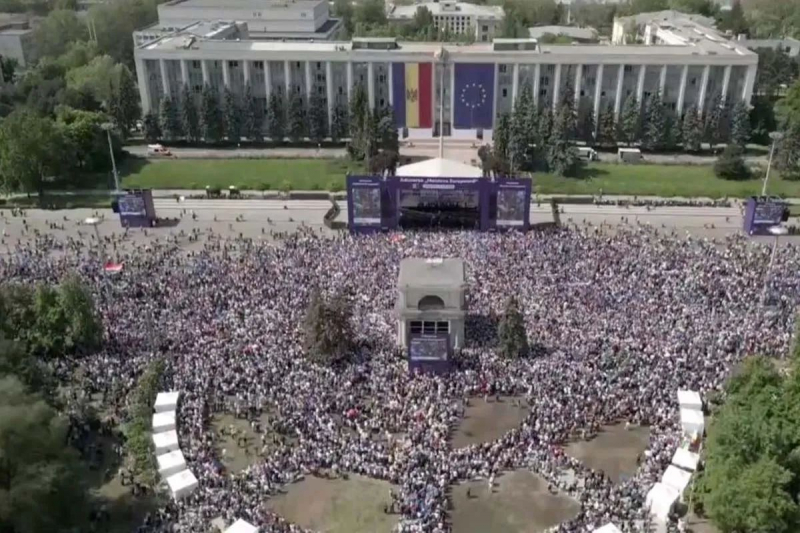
column 762, row 213
column 429, row 352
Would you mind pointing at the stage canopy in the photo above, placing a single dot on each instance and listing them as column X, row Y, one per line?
column 676, row 478
column 166, row 401
column 163, row 421
column 439, row 168
column 608, row 528
column 182, row 484
column 692, row 422
column 170, row 463
column 690, row 399
column 240, row 526
column 685, row 459
column 660, row 500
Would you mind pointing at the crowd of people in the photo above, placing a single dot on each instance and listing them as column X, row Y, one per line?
column 619, row 321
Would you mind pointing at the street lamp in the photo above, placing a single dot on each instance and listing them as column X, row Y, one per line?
column 778, row 232
column 108, row 127
column 775, row 136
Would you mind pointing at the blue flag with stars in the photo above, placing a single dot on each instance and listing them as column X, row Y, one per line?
column 474, row 95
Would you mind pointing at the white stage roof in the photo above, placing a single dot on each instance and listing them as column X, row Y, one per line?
column 676, row 478
column 439, row 168
column 690, row 399
column 692, row 421
column 608, row 528
column 165, row 442
column 240, row 526
column 182, row 484
column 660, row 500
column 685, row 459
column 166, row 401
column 171, row 463
column 163, row 421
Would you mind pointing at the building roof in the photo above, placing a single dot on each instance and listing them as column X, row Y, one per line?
column 244, row 4
column 439, row 168
column 586, row 33
column 448, row 8
column 432, row 272
column 667, row 15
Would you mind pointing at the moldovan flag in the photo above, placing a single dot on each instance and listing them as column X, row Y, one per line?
column 412, row 91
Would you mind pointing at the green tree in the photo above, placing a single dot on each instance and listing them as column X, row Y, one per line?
column 57, row 31
column 233, row 117
column 513, row 340
column 31, row 370
column 524, row 119
column 317, row 117
column 787, row 156
column 86, row 142
column 586, row 125
column 152, row 127
column 113, row 20
column 730, row 164
column 253, row 116
column 734, row 20
column 501, row 137
column 358, row 123
column 606, row 127
column 370, row 13
column 339, row 125
column 654, row 124
column 692, row 131
column 190, row 119
column 98, row 77
column 297, row 117
column 170, row 120
column 327, row 330
column 562, row 156
column 31, row 151
column 276, row 117
column 124, row 105
column 628, row 125
column 740, row 124
column 343, row 9
column 211, row 117
column 41, row 480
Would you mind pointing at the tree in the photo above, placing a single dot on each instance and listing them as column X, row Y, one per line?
column 606, row 131
column 232, row 116
column 654, row 124
column 41, row 480
column 740, row 124
column 562, row 156
column 170, row 120
column 124, row 105
column 190, row 120
column 730, row 164
column 692, row 131
column 523, row 124
column 327, row 329
column 343, row 9
column 502, row 137
column 28, row 368
column 98, row 77
column 339, row 125
column 359, row 123
column 317, row 118
column 31, row 151
column 787, row 157
column 211, row 119
column 628, row 124
column 152, row 127
column 85, row 139
column 56, row 31
column 8, row 68
column 253, row 116
column 513, row 340
column 276, row 117
column 297, row 117
column 713, row 122
column 734, row 20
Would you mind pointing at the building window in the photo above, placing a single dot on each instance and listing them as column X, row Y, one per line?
column 545, row 81
column 341, row 90
column 259, row 65
column 381, row 78
column 320, row 90
column 416, row 327
column 196, row 64
column 297, row 64
column 485, row 28
column 381, row 103
column 628, row 68
column 502, row 69
column 429, row 328
column 583, row 93
column 505, row 92
column 319, row 65
column 543, row 92
column 602, row 93
column 233, row 64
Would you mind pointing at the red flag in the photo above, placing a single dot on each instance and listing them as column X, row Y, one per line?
column 112, row 267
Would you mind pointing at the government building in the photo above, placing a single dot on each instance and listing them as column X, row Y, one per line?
column 458, row 90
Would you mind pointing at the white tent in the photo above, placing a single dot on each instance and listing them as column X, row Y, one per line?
column 240, row 526
column 166, row 401
column 165, row 442
column 182, row 484
column 439, row 168
column 685, row 459
column 660, row 500
column 692, row 422
column 690, row 399
column 676, row 478
column 170, row 463
column 608, row 528
column 163, row 421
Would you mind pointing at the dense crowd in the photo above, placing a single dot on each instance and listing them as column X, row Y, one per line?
column 619, row 320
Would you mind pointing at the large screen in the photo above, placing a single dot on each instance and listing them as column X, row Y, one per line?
column 511, row 205
column 763, row 213
column 367, row 205
column 132, row 204
column 428, row 348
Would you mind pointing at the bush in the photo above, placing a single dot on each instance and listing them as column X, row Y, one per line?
column 730, row 164
column 286, row 186
column 264, row 186
column 335, row 185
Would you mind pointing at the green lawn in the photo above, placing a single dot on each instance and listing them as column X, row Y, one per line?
column 59, row 201
column 252, row 174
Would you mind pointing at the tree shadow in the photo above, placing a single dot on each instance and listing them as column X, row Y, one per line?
column 587, row 173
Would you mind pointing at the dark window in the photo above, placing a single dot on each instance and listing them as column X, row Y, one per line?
column 429, row 328
column 319, row 65
column 543, row 92
column 381, row 102
column 416, row 327
column 196, row 64
column 502, row 69
column 341, row 90
column 442, row 327
column 485, row 27
column 628, row 68
column 298, row 64
column 546, row 81
column 505, row 93
column 430, row 302
column 233, row 64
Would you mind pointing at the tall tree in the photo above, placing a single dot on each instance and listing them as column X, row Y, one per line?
column 317, row 117
column 124, row 105
column 562, row 156
column 233, row 117
column 170, row 120
column 339, row 126
column 655, row 132
column 730, row 164
column 358, row 123
column 606, row 127
column 502, row 137
column 712, row 121
column 211, row 117
column 152, row 127
column 327, row 329
column 190, row 119
column 513, row 340
column 628, row 126
column 787, row 158
column 692, row 131
column 253, row 116
column 276, row 117
column 740, row 124
column 524, row 119
column 297, row 117
column 586, row 125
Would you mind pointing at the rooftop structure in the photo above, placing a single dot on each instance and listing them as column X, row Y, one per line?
column 456, row 17
column 788, row 45
column 586, row 34
column 16, row 40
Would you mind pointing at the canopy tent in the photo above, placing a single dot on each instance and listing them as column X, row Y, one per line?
column 676, row 478
column 166, row 401
column 163, row 421
column 165, row 442
column 660, row 500
column 692, row 422
column 170, row 463
column 690, row 399
column 439, row 168
column 608, row 528
column 182, row 484
column 240, row 526
column 685, row 459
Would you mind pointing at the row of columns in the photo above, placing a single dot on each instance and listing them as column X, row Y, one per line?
column 226, row 76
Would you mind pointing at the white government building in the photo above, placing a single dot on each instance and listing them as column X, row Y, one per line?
column 679, row 56
column 456, row 17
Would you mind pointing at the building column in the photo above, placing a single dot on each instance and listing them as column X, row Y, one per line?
column 496, row 93
column 308, row 80
column 640, row 84
column 682, row 90
column 749, row 83
column 329, row 91
column 349, row 81
column 537, row 75
column 618, row 94
column 185, row 72
column 162, row 65
column 578, row 82
column 246, row 70
column 701, row 100
column 662, row 81
column 267, row 80
column 598, row 93
column 287, row 78
column 514, row 85
column 144, row 92
column 204, row 70
column 452, row 95
column 371, row 84
column 226, row 73
column 556, row 86
column 391, row 84
column 726, row 80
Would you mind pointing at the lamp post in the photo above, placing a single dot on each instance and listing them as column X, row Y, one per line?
column 94, row 222
column 778, row 232
column 775, row 136
column 107, row 126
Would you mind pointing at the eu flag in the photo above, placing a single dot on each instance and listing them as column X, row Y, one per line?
column 474, row 95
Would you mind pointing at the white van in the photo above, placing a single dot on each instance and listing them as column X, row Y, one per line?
column 587, row 153
column 629, row 155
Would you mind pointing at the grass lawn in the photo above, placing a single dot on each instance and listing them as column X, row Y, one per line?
column 59, row 201
column 252, row 174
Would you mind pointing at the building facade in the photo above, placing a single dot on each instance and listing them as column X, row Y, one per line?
column 457, row 90
column 455, row 17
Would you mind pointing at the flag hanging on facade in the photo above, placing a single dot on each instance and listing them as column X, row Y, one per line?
column 474, row 96
column 412, row 94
